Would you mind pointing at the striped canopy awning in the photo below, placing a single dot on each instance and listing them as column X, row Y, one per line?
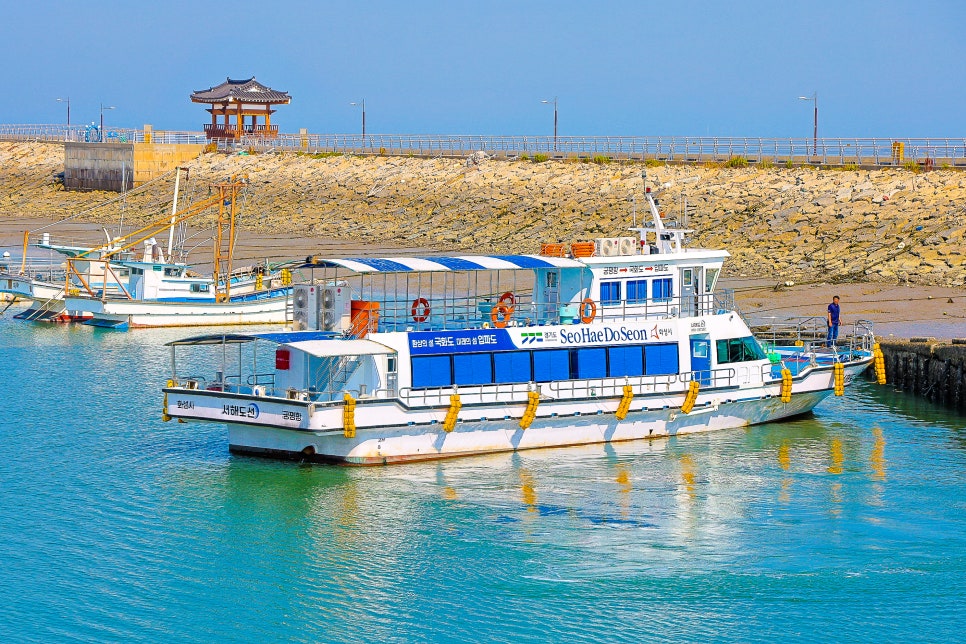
column 440, row 264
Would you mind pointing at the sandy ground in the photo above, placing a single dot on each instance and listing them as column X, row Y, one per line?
column 901, row 311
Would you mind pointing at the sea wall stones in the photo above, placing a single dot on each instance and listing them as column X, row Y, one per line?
column 931, row 370
column 887, row 225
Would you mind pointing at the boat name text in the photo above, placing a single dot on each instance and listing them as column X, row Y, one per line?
column 240, row 411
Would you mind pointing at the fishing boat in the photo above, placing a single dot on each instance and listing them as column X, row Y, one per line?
column 160, row 292
column 43, row 283
column 413, row 358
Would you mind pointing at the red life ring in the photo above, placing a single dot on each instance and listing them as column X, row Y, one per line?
column 500, row 315
column 420, row 303
column 587, row 311
column 508, row 299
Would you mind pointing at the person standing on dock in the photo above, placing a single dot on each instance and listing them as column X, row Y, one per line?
column 833, row 322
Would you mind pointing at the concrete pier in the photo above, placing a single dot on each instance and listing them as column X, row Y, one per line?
column 932, row 370
column 121, row 166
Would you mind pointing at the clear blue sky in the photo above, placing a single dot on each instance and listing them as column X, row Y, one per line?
column 889, row 68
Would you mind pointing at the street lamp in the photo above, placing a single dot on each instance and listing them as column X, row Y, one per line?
column 66, row 100
column 362, row 104
column 814, row 99
column 554, row 102
column 101, row 131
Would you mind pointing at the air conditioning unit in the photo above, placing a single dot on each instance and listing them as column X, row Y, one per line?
column 305, row 306
column 608, row 246
column 335, row 312
column 628, row 245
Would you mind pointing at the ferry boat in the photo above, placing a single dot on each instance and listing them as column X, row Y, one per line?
column 414, row 358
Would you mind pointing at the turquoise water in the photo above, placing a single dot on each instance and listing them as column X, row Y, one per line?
column 846, row 526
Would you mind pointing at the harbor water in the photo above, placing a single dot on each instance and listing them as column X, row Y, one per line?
column 847, row 525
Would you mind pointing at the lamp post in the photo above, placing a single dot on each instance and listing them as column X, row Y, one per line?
column 66, row 100
column 101, row 131
column 554, row 102
column 814, row 99
column 362, row 104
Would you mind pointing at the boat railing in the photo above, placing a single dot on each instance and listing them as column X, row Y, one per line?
column 658, row 383
column 492, row 393
column 423, row 314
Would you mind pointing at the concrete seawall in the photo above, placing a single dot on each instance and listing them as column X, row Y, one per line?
column 931, row 370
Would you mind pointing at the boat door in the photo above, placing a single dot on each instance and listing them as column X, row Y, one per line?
column 690, row 291
column 551, row 295
column 701, row 359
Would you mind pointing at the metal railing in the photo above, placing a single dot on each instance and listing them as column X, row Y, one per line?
column 932, row 152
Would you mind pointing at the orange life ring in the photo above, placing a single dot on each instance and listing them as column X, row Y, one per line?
column 508, row 299
column 500, row 315
column 587, row 314
column 420, row 316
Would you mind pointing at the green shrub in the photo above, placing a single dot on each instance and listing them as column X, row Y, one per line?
column 540, row 157
column 850, row 167
column 789, row 164
column 524, row 157
column 766, row 164
column 326, row 155
column 911, row 166
column 601, row 159
column 736, row 162
column 653, row 163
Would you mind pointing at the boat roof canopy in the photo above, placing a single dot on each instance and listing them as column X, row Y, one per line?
column 329, row 348
column 281, row 337
column 441, row 264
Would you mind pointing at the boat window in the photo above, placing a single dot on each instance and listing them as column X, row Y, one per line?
column 625, row 361
column 432, row 371
column 199, row 288
column 472, row 369
column 739, row 350
column 137, row 271
column 660, row 359
column 172, row 272
column 552, row 279
column 636, row 291
column 589, row 363
column 710, row 277
column 661, row 288
column 512, row 366
column 551, row 365
column 610, row 293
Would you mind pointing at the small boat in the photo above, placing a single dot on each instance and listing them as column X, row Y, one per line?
column 44, row 283
column 160, row 293
column 414, row 358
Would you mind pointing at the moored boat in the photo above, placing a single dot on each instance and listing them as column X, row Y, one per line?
column 413, row 358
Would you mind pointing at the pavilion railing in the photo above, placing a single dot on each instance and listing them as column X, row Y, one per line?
column 935, row 152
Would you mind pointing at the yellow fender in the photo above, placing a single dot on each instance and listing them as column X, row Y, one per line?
column 533, row 399
column 625, row 405
column 786, row 389
column 449, row 423
column 692, row 396
column 838, row 378
column 878, row 360
column 164, row 408
column 349, row 417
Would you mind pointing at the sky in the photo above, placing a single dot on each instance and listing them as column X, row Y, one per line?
column 887, row 68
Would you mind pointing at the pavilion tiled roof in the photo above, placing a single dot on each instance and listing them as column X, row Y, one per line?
column 245, row 91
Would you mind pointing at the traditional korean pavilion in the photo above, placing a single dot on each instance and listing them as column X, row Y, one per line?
column 237, row 105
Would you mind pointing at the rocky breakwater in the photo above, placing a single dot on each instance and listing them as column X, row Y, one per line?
column 932, row 370
column 799, row 224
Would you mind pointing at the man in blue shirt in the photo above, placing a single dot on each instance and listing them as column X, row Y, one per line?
column 833, row 322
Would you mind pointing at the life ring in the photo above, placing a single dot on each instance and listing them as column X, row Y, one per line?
column 508, row 299
column 587, row 311
column 420, row 315
column 500, row 315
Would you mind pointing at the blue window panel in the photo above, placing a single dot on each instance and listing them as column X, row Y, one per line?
column 636, row 291
column 661, row 359
column 610, row 293
column 551, row 365
column 661, row 288
column 472, row 369
column 432, row 371
column 591, row 363
column 625, row 361
column 512, row 366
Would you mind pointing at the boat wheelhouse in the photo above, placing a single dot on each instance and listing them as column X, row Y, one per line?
column 411, row 358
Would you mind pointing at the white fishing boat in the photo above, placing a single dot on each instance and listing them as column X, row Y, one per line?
column 412, row 358
column 43, row 283
column 159, row 292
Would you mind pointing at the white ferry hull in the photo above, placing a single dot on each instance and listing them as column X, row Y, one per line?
column 134, row 313
column 387, row 433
